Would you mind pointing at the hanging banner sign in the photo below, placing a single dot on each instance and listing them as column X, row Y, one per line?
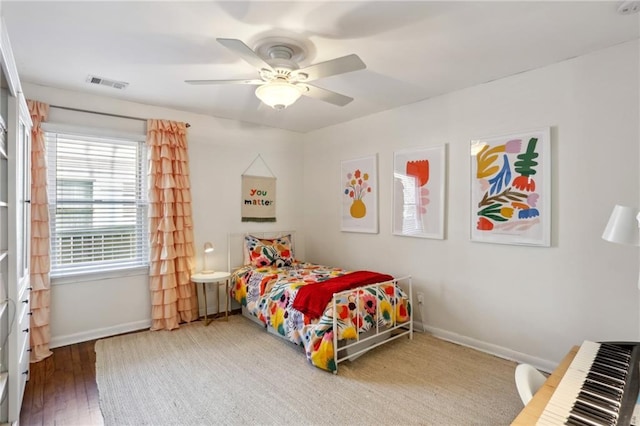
column 258, row 199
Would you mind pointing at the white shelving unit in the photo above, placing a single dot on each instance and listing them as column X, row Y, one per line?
column 15, row 187
column 5, row 320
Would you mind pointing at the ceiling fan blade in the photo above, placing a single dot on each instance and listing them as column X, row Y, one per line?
column 205, row 82
column 326, row 95
column 333, row 67
column 245, row 52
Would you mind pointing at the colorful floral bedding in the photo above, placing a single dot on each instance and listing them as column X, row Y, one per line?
column 268, row 293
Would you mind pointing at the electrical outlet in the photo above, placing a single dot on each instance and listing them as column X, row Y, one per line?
column 420, row 298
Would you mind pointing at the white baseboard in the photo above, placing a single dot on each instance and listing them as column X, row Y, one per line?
column 98, row 333
column 502, row 352
column 499, row 351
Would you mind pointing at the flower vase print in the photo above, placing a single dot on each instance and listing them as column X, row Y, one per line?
column 510, row 189
column 357, row 187
column 418, row 192
column 359, row 195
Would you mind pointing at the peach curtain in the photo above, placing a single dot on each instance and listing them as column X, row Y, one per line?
column 40, row 248
column 173, row 295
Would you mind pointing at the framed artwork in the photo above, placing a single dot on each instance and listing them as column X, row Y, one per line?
column 419, row 192
column 511, row 189
column 359, row 180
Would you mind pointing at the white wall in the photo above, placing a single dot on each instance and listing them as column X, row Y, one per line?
column 219, row 151
column 580, row 288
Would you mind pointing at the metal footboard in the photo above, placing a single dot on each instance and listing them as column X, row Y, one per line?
column 376, row 336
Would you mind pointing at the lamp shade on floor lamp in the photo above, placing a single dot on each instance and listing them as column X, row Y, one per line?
column 622, row 227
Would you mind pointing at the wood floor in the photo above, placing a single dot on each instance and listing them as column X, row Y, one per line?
column 62, row 389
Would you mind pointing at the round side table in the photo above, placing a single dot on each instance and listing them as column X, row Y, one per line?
column 218, row 277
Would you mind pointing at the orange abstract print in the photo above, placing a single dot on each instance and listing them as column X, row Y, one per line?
column 419, row 169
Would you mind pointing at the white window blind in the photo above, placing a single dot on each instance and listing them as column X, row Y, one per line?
column 97, row 203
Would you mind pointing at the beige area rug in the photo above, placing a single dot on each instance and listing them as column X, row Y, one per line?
column 236, row 373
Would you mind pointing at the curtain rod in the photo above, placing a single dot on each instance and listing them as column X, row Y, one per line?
column 102, row 113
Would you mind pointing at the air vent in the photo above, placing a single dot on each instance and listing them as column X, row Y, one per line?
column 629, row 7
column 106, row 82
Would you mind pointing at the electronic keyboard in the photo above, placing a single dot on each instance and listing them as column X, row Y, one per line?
column 600, row 387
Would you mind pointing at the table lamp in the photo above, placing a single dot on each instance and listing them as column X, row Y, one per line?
column 208, row 248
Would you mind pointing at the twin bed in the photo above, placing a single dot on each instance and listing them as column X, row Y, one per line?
column 334, row 314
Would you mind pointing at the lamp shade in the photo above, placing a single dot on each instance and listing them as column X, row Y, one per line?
column 622, row 227
column 278, row 94
column 208, row 249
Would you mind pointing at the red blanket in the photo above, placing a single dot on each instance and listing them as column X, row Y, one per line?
column 312, row 299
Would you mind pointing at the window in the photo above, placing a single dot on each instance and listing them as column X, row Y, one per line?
column 97, row 203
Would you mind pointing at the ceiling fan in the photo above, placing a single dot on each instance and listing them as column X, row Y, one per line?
column 282, row 81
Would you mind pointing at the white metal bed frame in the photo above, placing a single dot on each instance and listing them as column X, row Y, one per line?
column 343, row 350
column 375, row 337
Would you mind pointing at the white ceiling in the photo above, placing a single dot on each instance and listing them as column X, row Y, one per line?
column 413, row 50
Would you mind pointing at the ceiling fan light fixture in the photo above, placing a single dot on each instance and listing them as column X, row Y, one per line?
column 278, row 94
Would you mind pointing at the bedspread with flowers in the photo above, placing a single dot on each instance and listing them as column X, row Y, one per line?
column 268, row 293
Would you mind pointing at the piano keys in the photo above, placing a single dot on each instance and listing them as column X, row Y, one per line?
column 600, row 387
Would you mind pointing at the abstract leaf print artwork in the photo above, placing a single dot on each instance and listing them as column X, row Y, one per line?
column 359, row 191
column 510, row 189
column 419, row 192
